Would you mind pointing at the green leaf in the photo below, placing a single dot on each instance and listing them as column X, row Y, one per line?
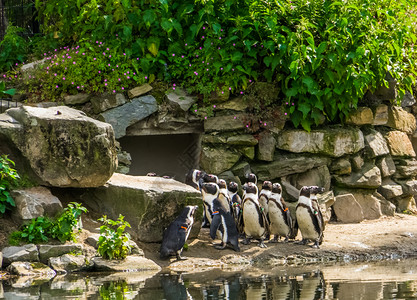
column 304, row 108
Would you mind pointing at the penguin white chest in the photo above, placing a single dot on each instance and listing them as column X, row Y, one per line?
column 277, row 225
column 251, row 218
column 305, row 223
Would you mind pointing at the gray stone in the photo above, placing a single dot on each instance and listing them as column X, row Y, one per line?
column 182, row 98
column 370, row 204
column 104, row 102
column 319, row 176
column 62, row 146
column 47, row 251
column 341, row 166
column 360, row 116
column 386, row 165
column 266, row 146
column 76, row 99
column 125, row 160
column 357, row 162
column 123, row 116
column 70, row 263
column 409, row 186
column 131, row 263
column 287, row 164
column 27, row 252
column 368, row 178
column 290, row 192
column 401, row 120
column 139, row 90
column 408, row 100
column 405, row 168
column 229, row 176
column 24, row 268
column 226, row 123
column 387, row 208
column 389, row 189
column 217, row 160
column 35, row 202
column 149, row 204
column 214, row 139
column 242, row 140
column 405, row 204
column 380, row 115
column 347, row 209
column 248, row 152
column 375, row 143
column 241, row 169
column 331, row 141
column 399, row 144
column 236, row 104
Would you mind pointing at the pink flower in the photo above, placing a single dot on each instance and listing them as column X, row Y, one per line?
column 173, row 54
column 114, row 91
column 285, row 114
column 56, row 86
column 63, row 78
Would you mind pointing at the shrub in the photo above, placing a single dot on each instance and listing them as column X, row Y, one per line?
column 8, row 178
column 13, row 48
column 65, row 225
column 113, row 242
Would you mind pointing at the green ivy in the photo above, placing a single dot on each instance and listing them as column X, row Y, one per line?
column 8, row 179
column 113, row 242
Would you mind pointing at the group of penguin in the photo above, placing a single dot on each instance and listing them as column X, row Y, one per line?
column 255, row 215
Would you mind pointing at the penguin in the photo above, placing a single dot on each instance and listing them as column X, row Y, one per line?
column 177, row 233
column 264, row 196
column 195, row 178
column 235, row 200
column 252, row 217
column 250, row 178
column 279, row 215
column 309, row 217
column 223, row 196
column 211, row 178
column 224, row 224
column 210, row 191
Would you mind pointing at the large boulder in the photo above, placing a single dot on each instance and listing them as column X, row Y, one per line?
column 24, row 268
column 386, row 165
column 400, row 119
column 225, row 123
column 319, row 176
column 332, row 141
column 369, row 178
column 216, row 160
column 399, row 144
column 70, row 263
column 48, row 251
column 27, row 252
column 149, row 204
column 62, row 146
column 347, row 209
column 132, row 263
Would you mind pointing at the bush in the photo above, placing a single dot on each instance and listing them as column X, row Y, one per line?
column 323, row 55
column 8, row 179
column 13, row 48
column 113, row 242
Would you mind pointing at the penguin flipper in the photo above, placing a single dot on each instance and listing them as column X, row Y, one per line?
column 294, row 230
column 215, row 224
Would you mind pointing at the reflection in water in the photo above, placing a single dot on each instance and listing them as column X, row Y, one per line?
column 395, row 280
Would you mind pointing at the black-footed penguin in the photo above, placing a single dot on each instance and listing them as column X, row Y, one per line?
column 235, row 200
column 223, row 224
column 223, row 196
column 211, row 178
column 249, row 178
column 177, row 233
column 195, row 178
column 309, row 217
column 210, row 191
column 264, row 195
column 280, row 221
column 252, row 217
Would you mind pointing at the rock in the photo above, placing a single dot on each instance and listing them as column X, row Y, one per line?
column 226, row 123
column 408, row 100
column 347, row 209
column 149, row 204
column 62, row 146
column 387, row 208
column 409, row 186
column 360, row 116
column 371, row 206
column 384, row 93
column 406, row 204
column 326, row 201
column 123, row 116
column 399, row 144
column 241, row 169
column 332, row 141
column 37, row 269
column 180, row 97
column 242, row 140
column 368, row 178
column 287, row 164
column 47, row 251
column 386, row 165
column 217, row 160
column 341, row 166
column 70, row 263
column 35, row 202
column 405, row 168
column 214, row 139
column 125, row 160
column 131, row 263
column 266, row 146
column 380, row 115
column 229, row 176
column 375, row 143
column 357, row 162
column 389, row 189
column 76, row 99
column 106, row 101
column 248, row 152
column 236, row 104
column 27, row 252
column 290, row 192
column 401, row 120
column 139, row 90
column 319, row 176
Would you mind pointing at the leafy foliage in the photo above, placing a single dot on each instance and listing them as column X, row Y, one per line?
column 13, row 48
column 322, row 55
column 63, row 228
column 8, row 178
column 113, row 242
column 37, row 231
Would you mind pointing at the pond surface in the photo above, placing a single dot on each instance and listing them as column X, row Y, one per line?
column 376, row 280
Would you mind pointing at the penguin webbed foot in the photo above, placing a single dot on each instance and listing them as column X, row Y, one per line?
column 219, row 246
column 246, row 241
column 316, row 245
column 261, row 244
column 302, row 242
column 179, row 257
column 286, row 239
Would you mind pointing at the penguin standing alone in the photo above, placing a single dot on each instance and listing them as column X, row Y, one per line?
column 280, row 221
column 177, row 233
column 252, row 218
column 309, row 217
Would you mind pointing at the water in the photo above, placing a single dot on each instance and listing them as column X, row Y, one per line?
column 381, row 280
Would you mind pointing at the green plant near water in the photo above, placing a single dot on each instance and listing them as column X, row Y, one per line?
column 113, row 242
column 8, row 179
column 66, row 224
